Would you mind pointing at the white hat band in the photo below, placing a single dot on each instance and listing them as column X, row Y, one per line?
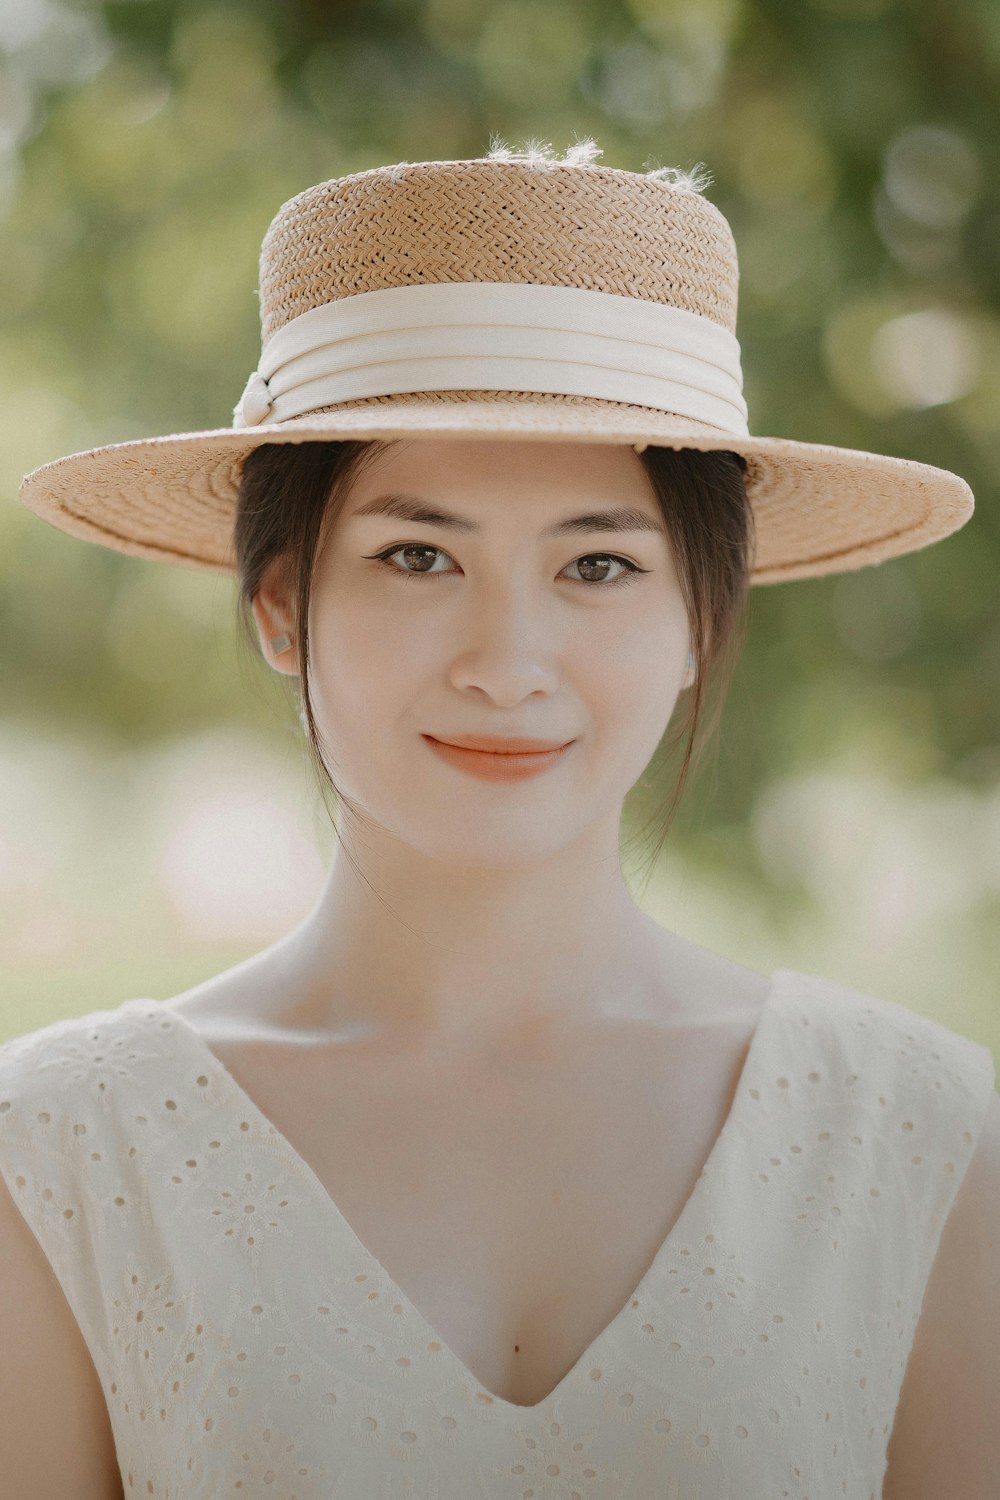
column 498, row 336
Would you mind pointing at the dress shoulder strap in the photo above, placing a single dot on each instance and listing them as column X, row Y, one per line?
column 917, row 1093
column 77, row 1097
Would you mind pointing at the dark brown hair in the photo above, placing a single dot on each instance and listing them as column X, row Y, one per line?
column 290, row 495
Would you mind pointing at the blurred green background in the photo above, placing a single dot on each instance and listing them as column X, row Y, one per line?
column 158, row 821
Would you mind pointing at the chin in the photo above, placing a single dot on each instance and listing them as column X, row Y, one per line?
column 505, row 842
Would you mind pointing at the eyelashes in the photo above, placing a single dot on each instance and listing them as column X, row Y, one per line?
column 632, row 569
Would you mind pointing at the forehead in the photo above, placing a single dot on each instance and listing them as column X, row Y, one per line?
column 462, row 485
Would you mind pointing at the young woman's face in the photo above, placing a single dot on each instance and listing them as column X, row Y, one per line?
column 491, row 625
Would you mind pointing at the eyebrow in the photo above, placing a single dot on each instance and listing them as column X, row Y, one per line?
column 412, row 508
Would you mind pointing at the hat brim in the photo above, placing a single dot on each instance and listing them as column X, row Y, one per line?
column 818, row 509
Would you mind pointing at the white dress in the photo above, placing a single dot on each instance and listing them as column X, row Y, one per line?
column 248, row 1343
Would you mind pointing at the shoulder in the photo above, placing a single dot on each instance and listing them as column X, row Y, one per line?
column 47, row 1367
column 946, row 1438
column 35, row 1058
column 62, row 1079
column 923, row 1058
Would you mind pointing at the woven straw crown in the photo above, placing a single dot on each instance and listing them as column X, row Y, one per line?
column 512, row 298
column 550, row 224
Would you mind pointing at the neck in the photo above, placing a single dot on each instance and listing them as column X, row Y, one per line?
column 465, row 957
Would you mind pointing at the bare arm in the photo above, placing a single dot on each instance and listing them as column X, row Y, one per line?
column 946, row 1436
column 55, row 1432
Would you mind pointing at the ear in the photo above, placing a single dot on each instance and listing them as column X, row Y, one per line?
column 275, row 616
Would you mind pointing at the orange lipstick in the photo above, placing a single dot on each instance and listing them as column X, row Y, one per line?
column 490, row 764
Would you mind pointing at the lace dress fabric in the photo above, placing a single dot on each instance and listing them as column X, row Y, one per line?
column 248, row 1343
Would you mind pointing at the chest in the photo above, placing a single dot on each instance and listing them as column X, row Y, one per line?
column 517, row 1208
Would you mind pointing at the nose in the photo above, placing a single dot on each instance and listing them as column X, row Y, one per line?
column 510, row 647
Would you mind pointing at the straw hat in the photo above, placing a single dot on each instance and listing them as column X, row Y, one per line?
column 514, row 296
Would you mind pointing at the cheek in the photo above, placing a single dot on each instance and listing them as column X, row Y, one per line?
column 628, row 687
column 363, row 664
column 646, row 652
column 642, row 703
column 639, row 684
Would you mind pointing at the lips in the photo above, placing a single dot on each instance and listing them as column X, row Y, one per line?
column 498, row 744
column 499, row 766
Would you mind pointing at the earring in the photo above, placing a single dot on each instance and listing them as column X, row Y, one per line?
column 690, row 661
column 279, row 644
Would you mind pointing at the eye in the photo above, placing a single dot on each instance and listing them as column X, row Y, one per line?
column 590, row 558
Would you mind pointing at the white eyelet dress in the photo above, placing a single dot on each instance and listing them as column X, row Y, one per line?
column 248, row 1343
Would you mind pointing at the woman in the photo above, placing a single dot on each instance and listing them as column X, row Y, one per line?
column 481, row 1181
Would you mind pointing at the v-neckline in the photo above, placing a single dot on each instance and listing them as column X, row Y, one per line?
column 679, row 1226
